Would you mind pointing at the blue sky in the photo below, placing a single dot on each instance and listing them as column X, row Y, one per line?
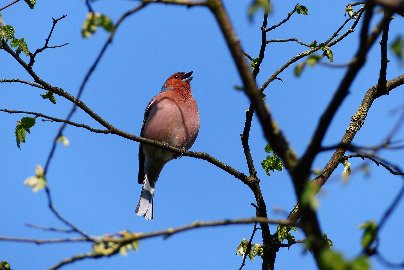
column 93, row 181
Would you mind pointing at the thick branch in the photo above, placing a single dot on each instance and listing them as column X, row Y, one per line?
column 270, row 129
column 351, row 131
column 366, row 43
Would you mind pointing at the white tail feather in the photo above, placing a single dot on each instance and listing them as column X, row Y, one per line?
column 145, row 205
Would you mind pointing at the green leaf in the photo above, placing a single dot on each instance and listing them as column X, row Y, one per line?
column 104, row 248
column 313, row 59
column 299, row 69
column 328, row 53
column 359, row 263
column 20, row 44
column 302, row 10
column 30, row 3
column 255, row 250
column 7, row 31
column 350, row 11
column 309, row 195
column 4, row 265
column 22, row 127
column 49, row 95
column 242, row 247
column 331, row 260
column 95, row 20
column 283, row 233
column 272, row 162
column 258, row 5
column 313, row 44
column 329, row 242
column 397, row 47
column 254, row 62
column 369, row 233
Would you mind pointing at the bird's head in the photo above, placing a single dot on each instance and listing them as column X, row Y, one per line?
column 178, row 80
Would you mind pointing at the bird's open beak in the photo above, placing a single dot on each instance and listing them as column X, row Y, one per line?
column 187, row 77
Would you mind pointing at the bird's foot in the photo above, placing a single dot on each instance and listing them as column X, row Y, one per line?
column 183, row 151
column 165, row 147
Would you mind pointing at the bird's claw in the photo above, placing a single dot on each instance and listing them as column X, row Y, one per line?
column 165, row 147
column 183, row 151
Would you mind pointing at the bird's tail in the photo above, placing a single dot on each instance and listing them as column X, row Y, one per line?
column 145, row 205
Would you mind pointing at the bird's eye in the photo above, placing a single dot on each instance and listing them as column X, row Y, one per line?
column 176, row 76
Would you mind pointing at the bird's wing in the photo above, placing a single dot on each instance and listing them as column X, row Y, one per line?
column 141, row 154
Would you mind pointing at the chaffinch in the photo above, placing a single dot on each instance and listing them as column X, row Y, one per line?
column 171, row 117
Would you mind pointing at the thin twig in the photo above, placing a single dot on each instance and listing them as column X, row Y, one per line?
column 21, row 81
column 382, row 88
column 10, row 4
column 330, row 42
column 49, row 229
column 43, row 241
column 112, row 130
column 288, row 40
column 393, row 169
column 283, row 21
column 385, row 145
column 32, row 56
column 178, row 2
column 250, row 112
column 249, row 246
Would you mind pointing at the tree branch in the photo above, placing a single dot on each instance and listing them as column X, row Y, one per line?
column 330, row 42
column 10, row 4
column 288, row 40
column 366, row 43
column 249, row 245
column 178, row 2
column 382, row 88
column 128, row 237
column 283, row 21
column 199, row 155
column 351, row 131
column 21, row 81
column 43, row 241
column 250, row 112
column 46, row 45
column 393, row 169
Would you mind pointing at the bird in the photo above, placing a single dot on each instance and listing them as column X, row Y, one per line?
column 171, row 117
